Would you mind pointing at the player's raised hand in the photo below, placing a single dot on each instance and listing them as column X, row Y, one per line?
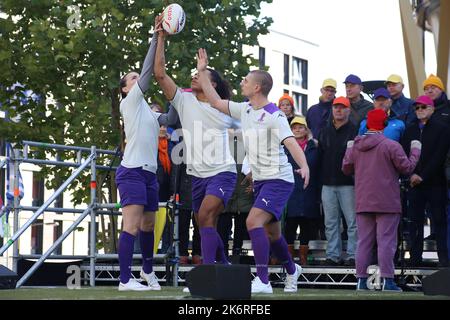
column 158, row 25
column 202, row 60
column 304, row 172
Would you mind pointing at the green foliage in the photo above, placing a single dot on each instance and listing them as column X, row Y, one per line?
column 77, row 71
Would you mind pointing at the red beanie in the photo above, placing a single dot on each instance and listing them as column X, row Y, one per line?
column 376, row 119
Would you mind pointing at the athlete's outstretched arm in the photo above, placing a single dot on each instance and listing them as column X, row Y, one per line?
column 166, row 83
column 147, row 68
column 299, row 157
column 170, row 118
column 209, row 91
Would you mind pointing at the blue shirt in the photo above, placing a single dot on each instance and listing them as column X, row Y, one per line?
column 393, row 131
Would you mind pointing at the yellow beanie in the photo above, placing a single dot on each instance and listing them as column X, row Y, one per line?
column 435, row 81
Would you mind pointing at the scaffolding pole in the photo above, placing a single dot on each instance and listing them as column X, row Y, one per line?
column 93, row 230
column 27, row 143
column 16, row 212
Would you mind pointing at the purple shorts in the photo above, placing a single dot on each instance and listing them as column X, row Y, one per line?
column 221, row 185
column 272, row 196
column 138, row 186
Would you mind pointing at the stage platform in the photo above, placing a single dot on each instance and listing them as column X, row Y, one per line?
column 176, row 294
column 311, row 277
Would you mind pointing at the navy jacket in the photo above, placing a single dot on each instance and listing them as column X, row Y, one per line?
column 318, row 116
column 305, row 202
column 403, row 108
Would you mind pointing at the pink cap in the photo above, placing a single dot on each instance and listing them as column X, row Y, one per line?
column 426, row 100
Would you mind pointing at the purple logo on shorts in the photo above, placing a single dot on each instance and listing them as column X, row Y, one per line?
column 262, row 117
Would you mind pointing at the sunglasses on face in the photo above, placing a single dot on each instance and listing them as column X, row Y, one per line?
column 421, row 107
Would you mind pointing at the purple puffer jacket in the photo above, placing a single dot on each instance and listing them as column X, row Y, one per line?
column 376, row 162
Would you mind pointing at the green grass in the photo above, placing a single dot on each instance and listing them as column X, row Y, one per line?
column 170, row 293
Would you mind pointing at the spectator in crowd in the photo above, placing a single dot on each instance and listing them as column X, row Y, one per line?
column 359, row 106
column 303, row 205
column 434, row 88
column 401, row 106
column 286, row 104
column 395, row 127
column 338, row 193
column 164, row 164
column 376, row 163
column 428, row 184
column 319, row 114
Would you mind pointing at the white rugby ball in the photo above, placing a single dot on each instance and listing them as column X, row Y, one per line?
column 174, row 19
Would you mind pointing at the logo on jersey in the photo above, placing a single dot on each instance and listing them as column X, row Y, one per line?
column 223, row 192
column 262, row 117
column 266, row 201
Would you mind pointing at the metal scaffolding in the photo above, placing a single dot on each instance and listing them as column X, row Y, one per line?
column 93, row 209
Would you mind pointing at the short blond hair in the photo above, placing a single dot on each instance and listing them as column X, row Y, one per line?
column 264, row 79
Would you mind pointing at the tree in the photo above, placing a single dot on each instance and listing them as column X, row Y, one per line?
column 76, row 70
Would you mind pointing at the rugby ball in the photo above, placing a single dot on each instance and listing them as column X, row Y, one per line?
column 174, row 19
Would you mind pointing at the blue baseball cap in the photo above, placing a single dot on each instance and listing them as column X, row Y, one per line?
column 381, row 92
column 351, row 78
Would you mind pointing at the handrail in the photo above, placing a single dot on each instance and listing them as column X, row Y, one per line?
column 61, row 163
column 66, row 148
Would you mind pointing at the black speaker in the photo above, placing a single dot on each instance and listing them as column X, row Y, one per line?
column 438, row 283
column 8, row 278
column 220, row 281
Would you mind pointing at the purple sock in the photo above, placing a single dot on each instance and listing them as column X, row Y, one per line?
column 260, row 245
column 220, row 254
column 126, row 246
column 280, row 250
column 147, row 240
column 208, row 238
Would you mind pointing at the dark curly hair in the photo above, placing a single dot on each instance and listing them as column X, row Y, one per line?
column 222, row 87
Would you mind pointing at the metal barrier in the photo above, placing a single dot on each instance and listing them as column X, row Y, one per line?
column 93, row 209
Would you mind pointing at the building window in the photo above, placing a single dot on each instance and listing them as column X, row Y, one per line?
column 286, row 69
column 38, row 190
column 37, row 236
column 262, row 58
column 301, row 101
column 300, row 72
column 57, row 232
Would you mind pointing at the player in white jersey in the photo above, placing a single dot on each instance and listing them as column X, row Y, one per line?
column 208, row 155
column 136, row 175
column 265, row 129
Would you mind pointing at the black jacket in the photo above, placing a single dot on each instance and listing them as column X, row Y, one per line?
column 240, row 201
column 442, row 109
column 332, row 146
column 431, row 165
column 359, row 111
column 185, row 185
